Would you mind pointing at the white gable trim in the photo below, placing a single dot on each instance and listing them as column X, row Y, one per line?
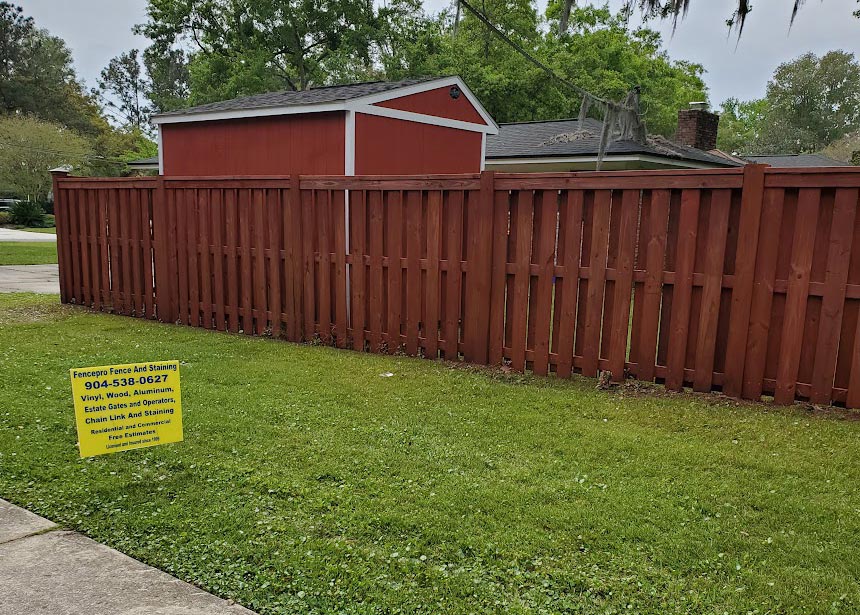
column 422, row 118
column 247, row 113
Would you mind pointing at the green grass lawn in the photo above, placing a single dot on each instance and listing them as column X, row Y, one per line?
column 308, row 483
column 28, row 253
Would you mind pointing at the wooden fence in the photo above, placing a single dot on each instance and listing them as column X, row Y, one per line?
column 743, row 280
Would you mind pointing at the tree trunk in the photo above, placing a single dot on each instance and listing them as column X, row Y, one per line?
column 564, row 18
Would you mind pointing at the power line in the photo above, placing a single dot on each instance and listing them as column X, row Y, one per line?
column 517, row 47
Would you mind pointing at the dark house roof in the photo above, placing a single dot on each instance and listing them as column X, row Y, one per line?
column 541, row 140
column 313, row 96
column 797, row 160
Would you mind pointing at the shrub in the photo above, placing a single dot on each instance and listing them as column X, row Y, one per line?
column 27, row 213
column 48, row 221
column 5, row 217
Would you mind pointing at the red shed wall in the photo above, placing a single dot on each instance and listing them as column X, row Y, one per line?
column 386, row 146
column 312, row 144
column 437, row 102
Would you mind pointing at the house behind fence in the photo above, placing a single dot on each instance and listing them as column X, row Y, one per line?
column 742, row 280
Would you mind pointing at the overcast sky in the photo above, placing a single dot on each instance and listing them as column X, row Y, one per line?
column 97, row 30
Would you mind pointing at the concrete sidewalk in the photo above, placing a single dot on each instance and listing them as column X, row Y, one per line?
column 30, row 279
column 12, row 234
column 48, row 571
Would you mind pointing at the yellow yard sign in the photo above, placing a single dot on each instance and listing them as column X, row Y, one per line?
column 121, row 407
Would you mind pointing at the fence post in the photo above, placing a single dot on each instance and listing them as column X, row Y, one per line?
column 752, row 198
column 479, row 273
column 62, row 230
column 161, row 253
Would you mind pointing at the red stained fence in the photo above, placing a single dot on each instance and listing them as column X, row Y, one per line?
column 741, row 280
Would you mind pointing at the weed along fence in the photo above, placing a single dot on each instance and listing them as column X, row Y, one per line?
column 741, row 280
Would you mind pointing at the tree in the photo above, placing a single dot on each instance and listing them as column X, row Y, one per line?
column 741, row 123
column 167, row 69
column 37, row 77
column 29, row 147
column 249, row 46
column 122, row 89
column 810, row 102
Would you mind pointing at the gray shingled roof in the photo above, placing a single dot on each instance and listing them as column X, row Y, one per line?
column 533, row 140
column 314, row 96
column 797, row 161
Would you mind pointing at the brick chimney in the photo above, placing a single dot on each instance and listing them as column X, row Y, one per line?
column 697, row 127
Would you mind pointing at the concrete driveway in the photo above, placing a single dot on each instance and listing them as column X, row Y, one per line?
column 30, row 279
column 11, row 234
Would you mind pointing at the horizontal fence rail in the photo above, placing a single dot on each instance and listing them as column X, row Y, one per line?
column 745, row 281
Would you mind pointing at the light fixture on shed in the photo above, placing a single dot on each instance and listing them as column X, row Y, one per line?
column 454, row 92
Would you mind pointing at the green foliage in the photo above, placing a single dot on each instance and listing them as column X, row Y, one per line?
column 309, row 484
column 122, row 87
column 810, row 103
column 5, row 218
column 30, row 147
column 27, row 213
column 741, row 124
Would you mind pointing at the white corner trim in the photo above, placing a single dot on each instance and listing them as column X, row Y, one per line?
column 160, row 152
column 484, row 152
column 422, row 118
column 247, row 113
column 349, row 144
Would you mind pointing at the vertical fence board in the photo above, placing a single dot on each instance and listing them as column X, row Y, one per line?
column 259, row 262
column 454, row 275
column 322, row 206
column 358, row 213
column 217, row 241
column 718, row 225
column 395, row 274
column 808, row 205
column 413, row 270
column 688, row 226
column 571, row 219
column 498, row 283
column 434, row 245
column 596, row 283
column 340, row 297
column 376, row 311
column 545, row 258
column 245, row 212
column 93, row 243
column 232, row 250
column 522, row 275
column 655, row 254
column 135, row 245
column 762, row 294
column 833, row 304
column 623, row 284
column 309, row 222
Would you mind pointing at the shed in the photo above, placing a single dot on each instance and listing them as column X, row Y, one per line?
column 427, row 126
